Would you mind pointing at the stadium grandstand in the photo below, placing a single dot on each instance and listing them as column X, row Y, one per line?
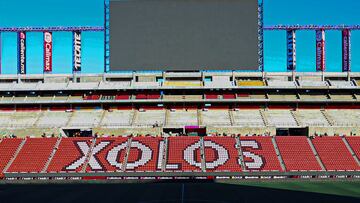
column 180, row 108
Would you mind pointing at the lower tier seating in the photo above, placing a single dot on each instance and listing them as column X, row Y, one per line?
column 354, row 143
column 259, row 154
column 175, row 154
column 334, row 154
column 8, row 148
column 33, row 155
column 297, row 154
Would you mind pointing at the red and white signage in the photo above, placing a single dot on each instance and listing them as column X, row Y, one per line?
column 48, row 52
column 183, row 155
column 320, row 50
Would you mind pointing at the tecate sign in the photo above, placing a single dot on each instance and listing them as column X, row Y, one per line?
column 77, row 51
column 22, row 53
column 47, row 51
column 291, row 50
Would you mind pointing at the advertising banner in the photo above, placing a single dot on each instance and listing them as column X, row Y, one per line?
column 346, row 50
column 291, row 50
column 21, row 45
column 76, row 51
column 0, row 52
column 48, row 52
column 320, row 50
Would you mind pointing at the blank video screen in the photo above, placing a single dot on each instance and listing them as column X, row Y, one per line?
column 183, row 35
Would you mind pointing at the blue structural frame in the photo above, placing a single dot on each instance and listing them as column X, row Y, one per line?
column 106, row 36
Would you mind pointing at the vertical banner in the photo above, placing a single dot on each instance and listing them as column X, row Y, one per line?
column 291, row 50
column 48, row 52
column 76, row 51
column 320, row 50
column 0, row 53
column 21, row 46
column 346, row 50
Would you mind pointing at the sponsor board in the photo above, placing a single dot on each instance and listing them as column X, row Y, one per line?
column 346, row 50
column 320, row 50
column 48, row 51
column 21, row 38
column 76, row 51
column 291, row 50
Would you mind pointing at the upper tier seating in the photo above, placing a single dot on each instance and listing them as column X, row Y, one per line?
column 52, row 86
column 150, row 118
column 5, row 118
column 18, row 119
column 216, row 95
column 280, row 83
column 341, row 83
column 250, row 83
column 216, row 117
column 334, row 154
column 342, row 97
column 33, row 155
column 280, row 118
column 344, row 117
column 262, row 148
column 297, row 154
column 148, row 95
column 182, row 117
column 183, row 83
column 282, row 97
column 248, row 118
column 312, row 83
column 8, row 147
column 85, row 118
column 219, row 84
column 313, row 97
column 83, row 85
column 117, row 118
column 53, row 119
column 114, row 85
column 146, row 84
column 311, row 118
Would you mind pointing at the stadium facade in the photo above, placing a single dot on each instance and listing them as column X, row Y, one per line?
column 171, row 123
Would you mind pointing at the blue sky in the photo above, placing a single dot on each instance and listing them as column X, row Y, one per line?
column 15, row 13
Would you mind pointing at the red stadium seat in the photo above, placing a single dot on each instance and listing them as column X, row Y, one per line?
column 33, row 155
column 259, row 154
column 334, row 154
column 227, row 161
column 8, row 147
column 67, row 153
column 178, row 160
column 354, row 143
column 297, row 154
